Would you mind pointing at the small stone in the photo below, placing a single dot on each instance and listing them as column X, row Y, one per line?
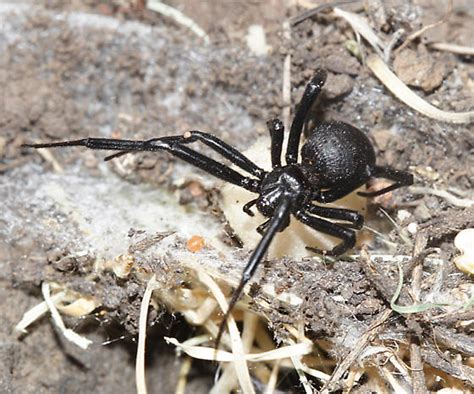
column 338, row 85
column 419, row 69
column 412, row 228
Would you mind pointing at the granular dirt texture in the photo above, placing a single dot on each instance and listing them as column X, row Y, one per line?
column 114, row 69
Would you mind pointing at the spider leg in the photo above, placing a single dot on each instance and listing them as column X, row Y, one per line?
column 347, row 236
column 330, row 195
column 347, row 215
column 309, row 97
column 220, row 147
column 276, row 129
column 280, row 216
column 400, row 178
column 250, row 204
column 261, row 228
column 167, row 144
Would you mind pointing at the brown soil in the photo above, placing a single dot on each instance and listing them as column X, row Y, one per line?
column 65, row 76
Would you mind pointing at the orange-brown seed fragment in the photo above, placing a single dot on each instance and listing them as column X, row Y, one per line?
column 195, row 243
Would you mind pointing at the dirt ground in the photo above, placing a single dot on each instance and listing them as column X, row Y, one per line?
column 92, row 68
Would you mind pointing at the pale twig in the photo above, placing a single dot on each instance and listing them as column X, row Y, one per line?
column 387, row 52
column 357, row 350
column 388, row 375
column 178, row 17
column 402, row 234
column 402, row 92
column 315, row 373
column 384, row 239
column 228, row 379
column 314, row 10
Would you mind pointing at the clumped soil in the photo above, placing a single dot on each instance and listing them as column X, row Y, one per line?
column 69, row 80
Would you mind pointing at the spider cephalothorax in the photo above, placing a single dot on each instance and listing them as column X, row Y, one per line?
column 337, row 158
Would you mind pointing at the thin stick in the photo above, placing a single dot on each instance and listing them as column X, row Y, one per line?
column 416, row 362
column 49, row 157
column 313, row 11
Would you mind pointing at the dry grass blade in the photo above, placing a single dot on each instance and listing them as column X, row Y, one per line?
column 208, row 353
column 453, row 48
column 49, row 157
column 140, row 360
column 402, row 92
column 241, row 368
column 360, row 26
column 36, row 312
column 69, row 334
column 450, row 198
column 183, row 376
column 178, row 17
column 272, row 382
column 300, row 371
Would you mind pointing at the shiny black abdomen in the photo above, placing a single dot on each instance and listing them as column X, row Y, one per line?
column 337, row 153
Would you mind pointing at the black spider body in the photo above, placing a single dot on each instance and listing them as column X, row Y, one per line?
column 335, row 153
column 287, row 182
column 337, row 158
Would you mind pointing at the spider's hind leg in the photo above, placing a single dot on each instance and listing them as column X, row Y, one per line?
column 347, row 236
column 400, row 178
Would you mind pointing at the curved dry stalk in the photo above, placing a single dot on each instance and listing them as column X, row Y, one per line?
column 405, row 94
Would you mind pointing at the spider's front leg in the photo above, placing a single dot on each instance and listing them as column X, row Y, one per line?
column 280, row 216
column 310, row 95
column 172, row 145
column 221, row 147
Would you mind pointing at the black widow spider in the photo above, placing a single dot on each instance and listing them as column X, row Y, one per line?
column 337, row 158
